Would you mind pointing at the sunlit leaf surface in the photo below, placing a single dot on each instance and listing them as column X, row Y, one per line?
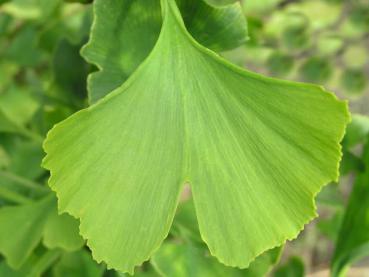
column 255, row 151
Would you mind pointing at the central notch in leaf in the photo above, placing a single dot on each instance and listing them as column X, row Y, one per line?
column 255, row 151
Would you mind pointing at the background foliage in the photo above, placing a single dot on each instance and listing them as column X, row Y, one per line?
column 43, row 80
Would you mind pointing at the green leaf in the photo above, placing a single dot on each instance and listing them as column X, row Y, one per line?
column 316, row 69
column 185, row 223
column 279, row 64
column 4, row 158
column 31, row 9
column 357, row 131
column 15, row 51
column 353, row 240
column 255, row 150
column 187, row 260
column 8, row 126
column 330, row 227
column 330, row 196
column 26, row 159
column 185, row 227
column 79, row 1
column 27, row 224
column 69, row 74
column 35, row 265
column 294, row 267
column 77, row 264
column 118, row 45
column 296, row 37
column 351, row 163
column 21, row 230
column 18, row 105
column 61, row 231
column 354, row 81
column 263, row 263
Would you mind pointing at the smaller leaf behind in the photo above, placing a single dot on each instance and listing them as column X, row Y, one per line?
column 353, row 239
column 28, row 224
column 124, row 33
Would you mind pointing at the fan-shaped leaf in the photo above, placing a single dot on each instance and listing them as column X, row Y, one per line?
column 255, row 151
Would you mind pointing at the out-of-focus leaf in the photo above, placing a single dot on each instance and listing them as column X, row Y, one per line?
column 319, row 14
column 80, row 1
column 255, row 29
column 8, row 126
column 70, row 74
column 7, row 72
column 62, row 231
column 354, row 81
column 35, row 265
column 73, row 23
column 185, row 227
column 185, row 223
column 4, row 158
column 118, row 45
column 16, row 52
column 260, row 6
column 296, row 37
column 316, row 69
column 330, row 196
column 23, row 227
column 356, row 56
column 330, row 227
column 18, row 105
column 280, row 64
column 31, row 9
column 353, row 240
column 351, row 163
column 357, row 131
column 3, row 1
column 360, row 15
column 329, row 44
column 294, row 267
column 21, row 230
column 77, row 264
column 263, row 263
column 182, row 260
column 186, row 260
column 26, row 158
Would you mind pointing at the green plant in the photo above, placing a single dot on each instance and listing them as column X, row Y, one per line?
column 164, row 112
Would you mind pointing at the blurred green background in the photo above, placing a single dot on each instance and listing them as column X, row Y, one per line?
column 43, row 80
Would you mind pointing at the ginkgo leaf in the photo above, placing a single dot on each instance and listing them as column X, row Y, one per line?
column 28, row 224
column 255, row 151
column 118, row 45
